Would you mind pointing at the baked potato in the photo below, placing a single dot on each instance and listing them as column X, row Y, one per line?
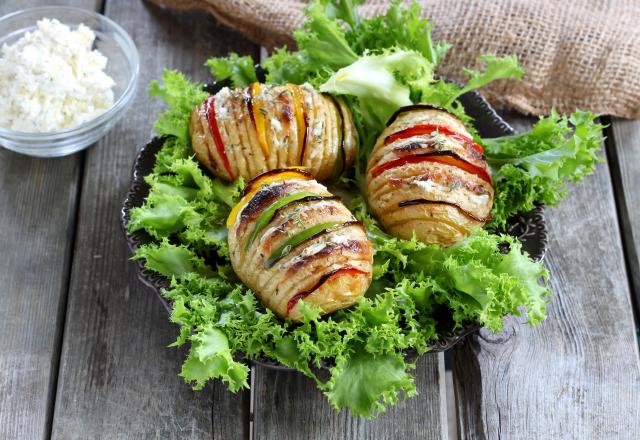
column 427, row 176
column 245, row 132
column 291, row 239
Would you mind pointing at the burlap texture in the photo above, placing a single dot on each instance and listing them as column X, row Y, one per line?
column 576, row 53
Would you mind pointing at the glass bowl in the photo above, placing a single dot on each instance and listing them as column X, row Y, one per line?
column 123, row 66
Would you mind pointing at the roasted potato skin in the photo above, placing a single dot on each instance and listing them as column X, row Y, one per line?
column 431, row 184
column 332, row 268
column 262, row 128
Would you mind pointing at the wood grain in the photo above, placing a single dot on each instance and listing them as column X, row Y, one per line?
column 577, row 376
column 38, row 205
column 117, row 378
column 38, row 201
column 624, row 155
column 288, row 406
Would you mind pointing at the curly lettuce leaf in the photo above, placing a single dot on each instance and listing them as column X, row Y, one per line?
column 322, row 48
column 401, row 27
column 171, row 260
column 162, row 214
column 210, row 358
column 365, row 383
column 229, row 194
column 381, row 83
column 496, row 68
column 183, row 200
column 534, row 168
column 182, row 96
column 335, row 36
column 173, row 149
column 183, row 197
column 322, row 38
column 487, row 283
column 239, row 70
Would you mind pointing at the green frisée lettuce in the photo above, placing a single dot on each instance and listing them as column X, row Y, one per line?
column 414, row 285
column 373, row 79
column 534, row 167
column 377, row 65
column 495, row 68
column 181, row 95
column 239, row 70
column 445, row 94
column 182, row 200
column 396, row 78
column 171, row 260
column 481, row 276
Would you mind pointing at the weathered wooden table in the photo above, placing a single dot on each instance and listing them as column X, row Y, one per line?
column 83, row 344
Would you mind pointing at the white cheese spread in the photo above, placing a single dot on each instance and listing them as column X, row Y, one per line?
column 50, row 79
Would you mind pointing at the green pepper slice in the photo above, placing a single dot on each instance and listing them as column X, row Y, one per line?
column 267, row 215
column 298, row 238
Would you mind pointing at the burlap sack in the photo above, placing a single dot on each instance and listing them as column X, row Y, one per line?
column 576, row 53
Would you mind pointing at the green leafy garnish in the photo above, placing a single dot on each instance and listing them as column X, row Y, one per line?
column 374, row 80
column 377, row 65
column 239, row 70
column 534, row 167
column 496, row 68
column 182, row 96
column 365, row 382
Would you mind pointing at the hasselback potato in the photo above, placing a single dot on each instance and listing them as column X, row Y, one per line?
column 244, row 132
column 291, row 239
column 426, row 175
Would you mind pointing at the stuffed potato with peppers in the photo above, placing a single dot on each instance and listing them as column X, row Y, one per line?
column 427, row 176
column 291, row 239
column 245, row 132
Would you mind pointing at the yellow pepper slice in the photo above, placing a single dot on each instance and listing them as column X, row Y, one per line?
column 258, row 112
column 301, row 118
column 258, row 183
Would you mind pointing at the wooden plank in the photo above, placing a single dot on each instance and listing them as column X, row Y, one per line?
column 36, row 251
column 117, row 378
column 578, row 374
column 624, row 156
column 38, row 202
column 288, row 406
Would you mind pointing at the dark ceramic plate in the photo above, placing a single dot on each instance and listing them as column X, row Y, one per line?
column 530, row 227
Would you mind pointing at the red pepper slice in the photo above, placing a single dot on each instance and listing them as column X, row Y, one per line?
column 421, row 129
column 443, row 157
column 210, row 111
column 341, row 271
